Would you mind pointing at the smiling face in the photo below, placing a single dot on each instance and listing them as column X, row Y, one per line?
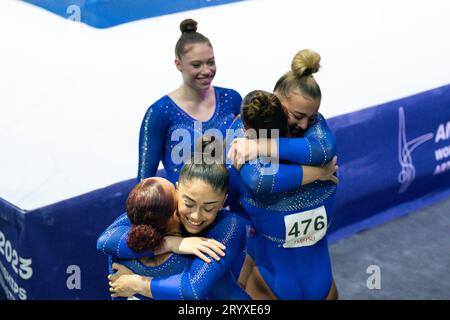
column 198, row 204
column 197, row 65
column 302, row 111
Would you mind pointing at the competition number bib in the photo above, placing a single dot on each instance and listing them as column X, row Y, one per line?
column 305, row 228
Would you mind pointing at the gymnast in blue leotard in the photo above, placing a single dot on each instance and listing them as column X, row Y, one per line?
column 156, row 210
column 290, row 246
column 195, row 106
column 134, row 237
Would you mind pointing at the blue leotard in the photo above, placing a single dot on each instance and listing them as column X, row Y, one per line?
column 164, row 117
column 316, row 148
column 182, row 276
column 292, row 273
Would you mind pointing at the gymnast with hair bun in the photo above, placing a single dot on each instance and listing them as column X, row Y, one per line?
column 288, row 253
column 158, row 213
column 195, row 101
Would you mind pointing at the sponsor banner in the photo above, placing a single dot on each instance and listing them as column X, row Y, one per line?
column 108, row 13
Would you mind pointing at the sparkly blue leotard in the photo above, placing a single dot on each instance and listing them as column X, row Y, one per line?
column 186, row 277
column 290, row 245
column 164, row 117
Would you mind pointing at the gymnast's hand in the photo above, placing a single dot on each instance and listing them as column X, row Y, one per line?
column 324, row 173
column 124, row 283
column 197, row 246
column 328, row 171
column 243, row 150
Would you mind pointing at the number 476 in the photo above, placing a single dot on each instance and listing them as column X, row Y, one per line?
column 318, row 225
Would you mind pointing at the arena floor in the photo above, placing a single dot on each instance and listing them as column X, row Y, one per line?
column 412, row 253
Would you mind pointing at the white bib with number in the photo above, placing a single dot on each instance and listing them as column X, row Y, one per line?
column 305, row 228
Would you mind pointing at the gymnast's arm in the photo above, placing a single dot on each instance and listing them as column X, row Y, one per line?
column 113, row 242
column 316, row 148
column 318, row 145
column 284, row 177
column 198, row 281
column 152, row 137
column 256, row 176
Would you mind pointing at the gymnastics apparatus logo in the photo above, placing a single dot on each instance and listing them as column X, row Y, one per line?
column 405, row 149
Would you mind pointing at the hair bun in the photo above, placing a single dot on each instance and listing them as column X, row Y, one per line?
column 263, row 110
column 144, row 237
column 259, row 103
column 305, row 63
column 188, row 25
column 255, row 103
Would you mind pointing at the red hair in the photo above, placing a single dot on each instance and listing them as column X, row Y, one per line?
column 149, row 207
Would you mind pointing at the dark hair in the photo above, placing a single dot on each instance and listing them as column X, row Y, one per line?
column 300, row 77
column 189, row 35
column 263, row 110
column 207, row 167
column 149, row 207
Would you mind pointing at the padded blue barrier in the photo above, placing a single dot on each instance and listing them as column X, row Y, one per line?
column 394, row 158
column 109, row 13
column 41, row 249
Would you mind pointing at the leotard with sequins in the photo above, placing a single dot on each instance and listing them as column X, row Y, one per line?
column 166, row 127
column 290, row 245
column 186, row 277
